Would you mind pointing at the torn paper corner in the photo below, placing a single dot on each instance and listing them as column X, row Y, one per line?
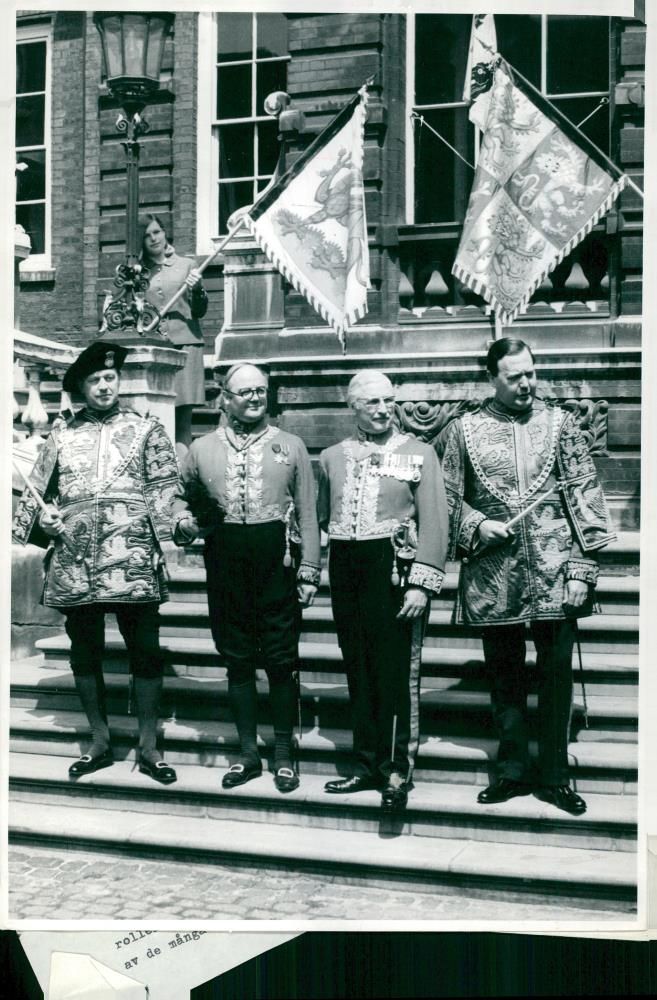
column 82, row 977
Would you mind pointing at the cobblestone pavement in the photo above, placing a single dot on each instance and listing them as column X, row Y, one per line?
column 54, row 883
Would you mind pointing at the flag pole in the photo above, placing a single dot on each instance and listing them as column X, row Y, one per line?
column 566, row 122
column 201, row 268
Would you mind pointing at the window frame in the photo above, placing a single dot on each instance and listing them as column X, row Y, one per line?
column 209, row 123
column 31, row 34
column 409, row 215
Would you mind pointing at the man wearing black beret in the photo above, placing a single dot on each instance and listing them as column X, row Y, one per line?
column 108, row 477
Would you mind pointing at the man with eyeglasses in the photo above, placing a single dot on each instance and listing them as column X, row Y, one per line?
column 250, row 492
column 382, row 502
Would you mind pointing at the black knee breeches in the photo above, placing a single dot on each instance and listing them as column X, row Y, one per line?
column 139, row 626
column 255, row 615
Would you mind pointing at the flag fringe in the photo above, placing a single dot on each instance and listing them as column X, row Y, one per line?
column 477, row 286
column 340, row 322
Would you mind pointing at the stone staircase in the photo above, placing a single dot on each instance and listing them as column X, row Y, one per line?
column 523, row 848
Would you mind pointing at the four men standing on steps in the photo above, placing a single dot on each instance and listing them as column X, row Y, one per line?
column 250, row 491
column 525, row 510
column 382, row 502
column 108, row 477
column 516, row 459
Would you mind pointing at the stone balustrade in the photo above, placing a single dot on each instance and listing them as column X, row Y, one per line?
column 147, row 382
column 428, row 291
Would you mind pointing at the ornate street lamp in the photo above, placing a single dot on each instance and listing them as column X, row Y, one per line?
column 133, row 44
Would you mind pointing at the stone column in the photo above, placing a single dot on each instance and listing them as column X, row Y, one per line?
column 22, row 248
column 253, row 302
column 147, row 379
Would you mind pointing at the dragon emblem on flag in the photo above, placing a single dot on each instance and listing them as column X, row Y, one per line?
column 339, row 198
column 536, row 195
column 312, row 224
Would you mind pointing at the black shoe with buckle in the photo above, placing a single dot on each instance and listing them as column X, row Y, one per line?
column 394, row 796
column 240, row 773
column 285, row 779
column 159, row 770
column 88, row 764
column 563, row 797
column 502, row 790
column 357, row 783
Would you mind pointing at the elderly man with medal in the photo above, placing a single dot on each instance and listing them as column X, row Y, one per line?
column 249, row 491
column 382, row 502
column 100, row 498
column 528, row 515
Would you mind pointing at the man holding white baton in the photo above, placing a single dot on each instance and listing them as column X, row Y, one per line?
column 100, row 497
column 528, row 515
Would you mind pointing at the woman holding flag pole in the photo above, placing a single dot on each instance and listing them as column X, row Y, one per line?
column 311, row 223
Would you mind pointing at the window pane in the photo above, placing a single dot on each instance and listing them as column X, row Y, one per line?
column 236, row 151
column 441, row 52
column 234, row 37
column 269, row 77
column 234, row 91
column 33, row 220
column 442, row 181
column 29, row 120
column 272, row 35
column 596, row 128
column 31, row 183
column 30, row 67
column 231, row 197
column 268, row 147
column 519, row 41
column 586, row 41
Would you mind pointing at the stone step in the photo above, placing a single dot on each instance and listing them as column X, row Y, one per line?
column 616, row 632
column 620, row 558
column 568, row 873
column 195, row 655
column 599, row 767
column 434, row 810
column 443, row 711
column 615, row 594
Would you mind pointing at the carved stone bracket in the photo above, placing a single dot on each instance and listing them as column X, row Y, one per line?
column 592, row 417
column 426, row 419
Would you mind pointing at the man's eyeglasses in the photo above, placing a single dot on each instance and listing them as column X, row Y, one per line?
column 259, row 391
column 372, row 405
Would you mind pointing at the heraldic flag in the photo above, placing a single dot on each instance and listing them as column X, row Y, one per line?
column 539, row 188
column 480, row 67
column 311, row 223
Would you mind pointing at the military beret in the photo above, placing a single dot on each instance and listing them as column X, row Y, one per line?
column 99, row 356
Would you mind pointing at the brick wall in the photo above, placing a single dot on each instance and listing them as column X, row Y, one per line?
column 54, row 308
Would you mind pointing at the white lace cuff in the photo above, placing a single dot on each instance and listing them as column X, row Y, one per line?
column 425, row 576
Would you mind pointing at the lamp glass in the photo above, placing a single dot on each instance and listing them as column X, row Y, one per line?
column 135, row 39
column 112, row 47
column 133, row 45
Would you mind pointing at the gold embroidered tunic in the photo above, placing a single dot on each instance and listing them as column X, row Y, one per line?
column 113, row 477
column 496, row 463
column 253, row 479
column 367, row 490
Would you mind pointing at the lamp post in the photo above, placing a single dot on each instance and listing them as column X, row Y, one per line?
column 133, row 43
